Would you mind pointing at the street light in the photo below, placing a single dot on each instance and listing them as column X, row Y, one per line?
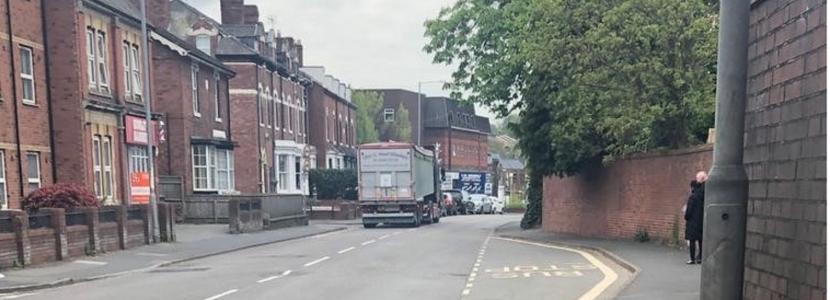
column 148, row 116
column 420, row 114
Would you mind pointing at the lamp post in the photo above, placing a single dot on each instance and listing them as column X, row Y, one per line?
column 145, row 60
column 724, row 226
column 420, row 114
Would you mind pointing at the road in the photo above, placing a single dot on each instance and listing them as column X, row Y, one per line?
column 459, row 258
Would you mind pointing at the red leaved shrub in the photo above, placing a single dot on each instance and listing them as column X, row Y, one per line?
column 62, row 195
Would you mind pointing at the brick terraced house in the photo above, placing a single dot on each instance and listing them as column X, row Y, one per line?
column 26, row 156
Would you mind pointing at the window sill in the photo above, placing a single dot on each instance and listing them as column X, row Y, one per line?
column 198, row 115
column 98, row 93
column 30, row 104
column 218, row 120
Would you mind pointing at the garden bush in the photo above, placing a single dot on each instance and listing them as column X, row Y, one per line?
column 60, row 195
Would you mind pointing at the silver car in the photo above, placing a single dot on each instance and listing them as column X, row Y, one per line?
column 483, row 203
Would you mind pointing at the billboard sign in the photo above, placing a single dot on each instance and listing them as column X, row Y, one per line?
column 473, row 183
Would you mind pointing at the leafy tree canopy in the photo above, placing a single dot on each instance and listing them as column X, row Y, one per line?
column 590, row 78
column 368, row 106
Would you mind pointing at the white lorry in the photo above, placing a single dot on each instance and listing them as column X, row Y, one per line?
column 398, row 184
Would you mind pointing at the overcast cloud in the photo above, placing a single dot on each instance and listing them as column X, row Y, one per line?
column 365, row 43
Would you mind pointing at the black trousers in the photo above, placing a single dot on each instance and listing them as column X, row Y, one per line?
column 695, row 244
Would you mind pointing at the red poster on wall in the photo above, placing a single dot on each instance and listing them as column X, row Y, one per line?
column 140, row 187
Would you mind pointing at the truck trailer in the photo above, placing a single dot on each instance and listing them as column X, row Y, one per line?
column 397, row 184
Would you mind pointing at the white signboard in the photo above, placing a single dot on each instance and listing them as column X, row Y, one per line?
column 385, row 160
column 385, row 180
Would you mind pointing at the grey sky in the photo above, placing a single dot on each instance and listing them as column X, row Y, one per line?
column 366, row 43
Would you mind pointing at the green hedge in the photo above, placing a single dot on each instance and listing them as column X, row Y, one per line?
column 334, row 184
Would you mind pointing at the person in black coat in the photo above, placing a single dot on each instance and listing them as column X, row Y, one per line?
column 694, row 218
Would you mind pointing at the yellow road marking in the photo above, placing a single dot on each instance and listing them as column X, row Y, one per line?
column 609, row 275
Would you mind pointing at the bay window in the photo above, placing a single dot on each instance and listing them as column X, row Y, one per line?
column 283, row 172
column 213, row 169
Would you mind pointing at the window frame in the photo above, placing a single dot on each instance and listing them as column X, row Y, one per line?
column 29, row 179
column 97, row 169
column 202, row 38
column 298, row 173
column 389, row 115
column 135, row 72
column 217, row 115
column 139, row 160
column 4, row 196
column 30, row 78
column 101, row 59
column 205, row 166
column 91, row 58
column 128, row 83
column 108, row 166
column 283, row 183
column 194, row 90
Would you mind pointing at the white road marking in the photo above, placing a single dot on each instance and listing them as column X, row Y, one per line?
column 345, row 250
column 327, row 234
column 383, row 237
column 596, row 291
column 367, row 242
column 150, row 254
column 466, row 292
column 90, row 262
column 222, row 295
column 478, row 265
column 18, row 296
column 2, row 276
column 473, row 275
column 469, row 285
column 475, row 269
column 275, row 277
column 397, row 233
column 317, row 261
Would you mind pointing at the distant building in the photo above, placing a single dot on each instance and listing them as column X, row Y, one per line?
column 392, row 99
column 267, row 97
column 460, row 134
column 334, row 132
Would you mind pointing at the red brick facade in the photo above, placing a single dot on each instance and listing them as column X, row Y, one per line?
column 24, row 124
column 90, row 104
column 333, row 129
column 786, row 130
column 204, row 125
column 643, row 192
column 461, row 150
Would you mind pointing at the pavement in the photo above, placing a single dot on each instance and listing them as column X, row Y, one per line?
column 459, row 258
column 660, row 272
column 193, row 242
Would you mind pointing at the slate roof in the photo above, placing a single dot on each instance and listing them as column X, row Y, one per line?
column 244, row 30
column 127, row 7
column 438, row 111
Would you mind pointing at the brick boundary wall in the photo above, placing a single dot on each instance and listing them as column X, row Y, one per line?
column 638, row 192
column 54, row 234
column 785, row 151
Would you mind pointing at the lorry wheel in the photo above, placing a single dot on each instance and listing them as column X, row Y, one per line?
column 369, row 225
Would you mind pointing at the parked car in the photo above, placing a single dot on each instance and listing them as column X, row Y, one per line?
column 483, row 204
column 462, row 201
column 498, row 205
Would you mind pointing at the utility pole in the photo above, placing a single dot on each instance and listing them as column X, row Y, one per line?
column 724, row 226
column 145, row 55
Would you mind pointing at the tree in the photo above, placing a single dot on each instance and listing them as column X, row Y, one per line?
column 368, row 106
column 400, row 129
column 591, row 79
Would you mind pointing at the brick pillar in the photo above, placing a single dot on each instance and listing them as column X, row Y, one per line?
column 20, row 224
column 233, row 216
column 145, row 219
column 91, row 214
column 58, row 217
column 121, row 219
column 166, row 222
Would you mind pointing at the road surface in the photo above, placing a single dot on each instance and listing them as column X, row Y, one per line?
column 459, row 258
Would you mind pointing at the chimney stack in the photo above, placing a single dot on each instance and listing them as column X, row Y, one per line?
column 158, row 13
column 251, row 15
column 232, row 11
column 299, row 46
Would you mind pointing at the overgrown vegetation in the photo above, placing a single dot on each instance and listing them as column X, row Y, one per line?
column 332, row 184
column 590, row 80
column 62, row 195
